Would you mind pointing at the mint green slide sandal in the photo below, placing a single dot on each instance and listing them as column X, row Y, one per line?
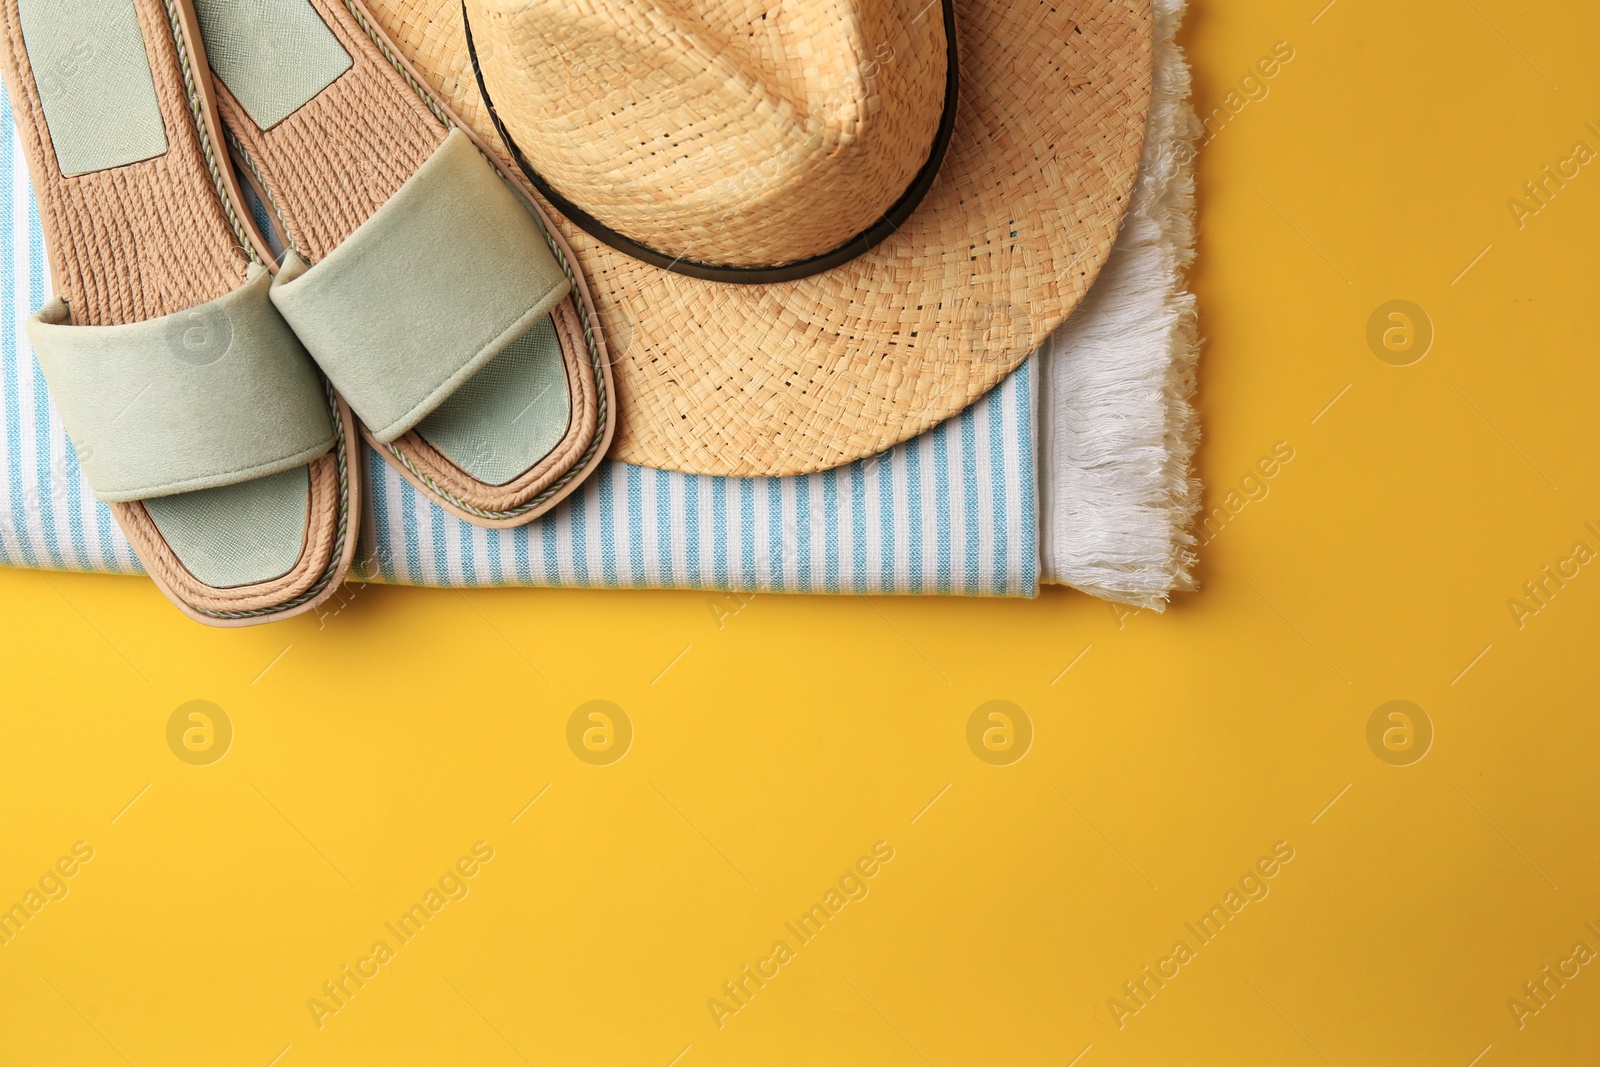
column 420, row 277
column 194, row 411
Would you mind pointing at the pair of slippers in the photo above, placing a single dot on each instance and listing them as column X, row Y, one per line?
column 212, row 352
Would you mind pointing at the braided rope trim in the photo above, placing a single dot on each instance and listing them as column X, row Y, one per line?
column 596, row 360
column 249, row 161
column 337, row 555
column 197, row 111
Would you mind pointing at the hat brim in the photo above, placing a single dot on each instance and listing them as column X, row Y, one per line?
column 805, row 375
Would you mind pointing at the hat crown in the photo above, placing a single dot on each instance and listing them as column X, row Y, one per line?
column 741, row 133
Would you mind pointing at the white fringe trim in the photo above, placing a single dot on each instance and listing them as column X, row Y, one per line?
column 1118, row 428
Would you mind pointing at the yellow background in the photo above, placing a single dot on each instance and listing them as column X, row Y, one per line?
column 775, row 744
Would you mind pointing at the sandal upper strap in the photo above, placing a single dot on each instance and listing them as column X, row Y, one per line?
column 212, row 396
column 425, row 292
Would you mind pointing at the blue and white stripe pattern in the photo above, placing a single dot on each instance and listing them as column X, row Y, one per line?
column 47, row 516
column 952, row 511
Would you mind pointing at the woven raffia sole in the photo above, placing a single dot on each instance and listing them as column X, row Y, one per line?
column 327, row 167
column 152, row 238
column 802, row 376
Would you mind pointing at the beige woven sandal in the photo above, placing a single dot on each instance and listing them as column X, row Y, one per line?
column 193, row 410
column 420, row 277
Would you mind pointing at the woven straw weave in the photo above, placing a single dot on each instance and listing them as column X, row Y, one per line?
column 731, row 135
column 806, row 375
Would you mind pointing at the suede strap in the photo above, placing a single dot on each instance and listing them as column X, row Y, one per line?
column 424, row 293
column 212, row 396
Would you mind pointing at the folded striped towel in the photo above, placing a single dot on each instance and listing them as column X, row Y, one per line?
column 1074, row 470
column 952, row 511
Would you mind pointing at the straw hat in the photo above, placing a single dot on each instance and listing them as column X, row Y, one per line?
column 813, row 228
